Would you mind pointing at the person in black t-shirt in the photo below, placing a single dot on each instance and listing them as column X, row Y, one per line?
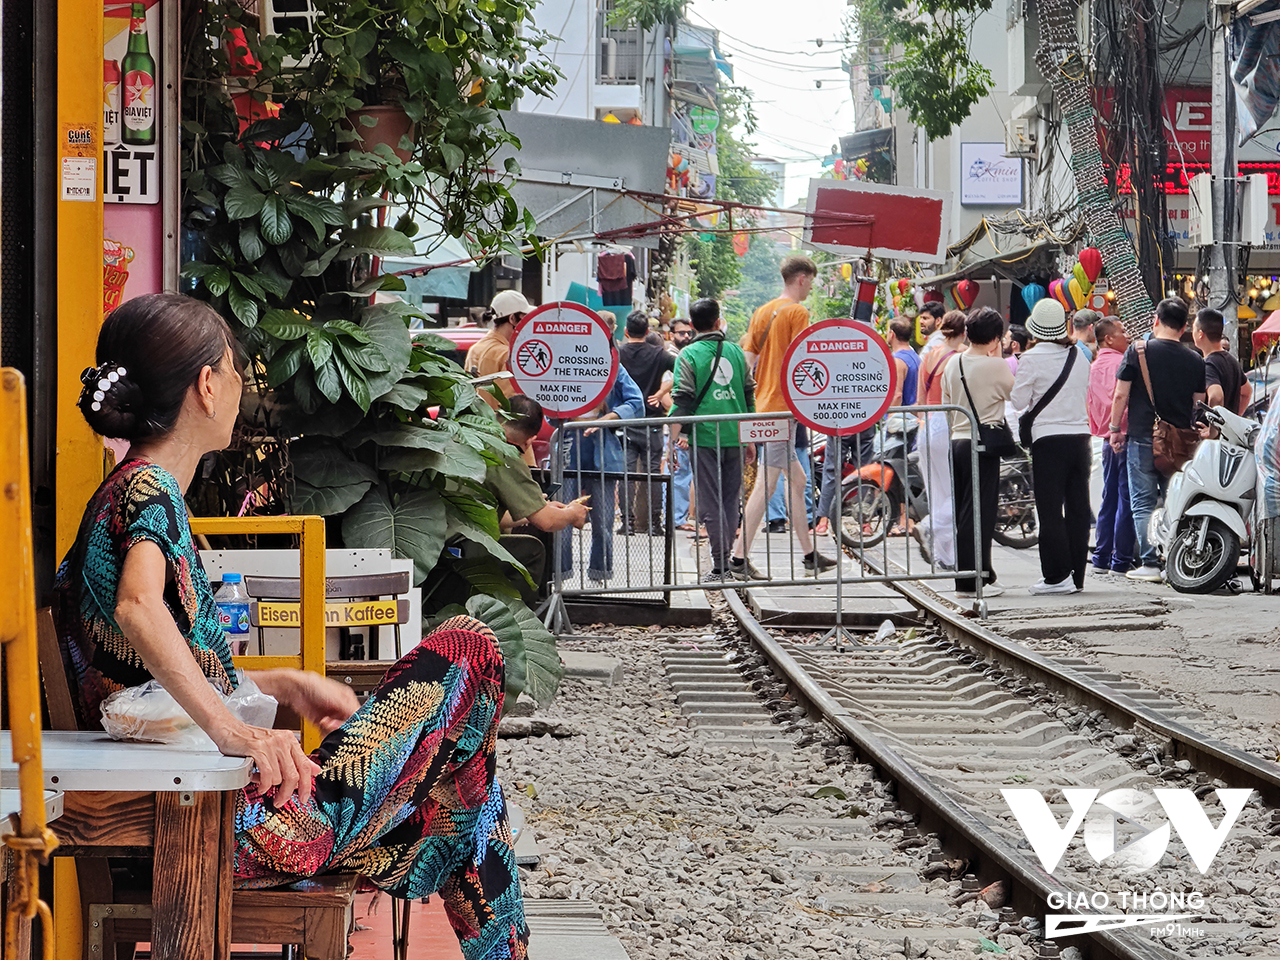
column 1178, row 381
column 649, row 364
column 1225, row 382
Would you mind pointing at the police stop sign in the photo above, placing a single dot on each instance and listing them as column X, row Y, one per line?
column 838, row 377
column 562, row 355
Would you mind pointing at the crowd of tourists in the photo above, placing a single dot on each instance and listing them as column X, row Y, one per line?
column 1070, row 388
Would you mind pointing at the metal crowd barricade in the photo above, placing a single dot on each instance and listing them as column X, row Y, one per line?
column 33, row 841
column 875, row 480
column 310, row 533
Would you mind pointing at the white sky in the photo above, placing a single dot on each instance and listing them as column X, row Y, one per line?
column 775, row 57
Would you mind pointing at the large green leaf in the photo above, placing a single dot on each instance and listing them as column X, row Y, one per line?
column 323, row 463
column 413, row 527
column 414, row 436
column 244, row 306
column 251, row 244
column 328, row 380
column 285, row 325
column 364, row 355
column 244, row 201
column 407, row 395
column 319, row 348
column 543, row 667
column 354, row 380
column 532, row 665
column 277, row 226
column 317, row 211
column 377, row 242
column 497, row 616
column 385, row 326
column 474, row 518
column 306, row 500
column 285, row 363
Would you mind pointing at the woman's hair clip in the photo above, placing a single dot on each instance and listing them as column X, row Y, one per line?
column 100, row 380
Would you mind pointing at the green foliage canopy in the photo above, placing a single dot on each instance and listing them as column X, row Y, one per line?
column 935, row 77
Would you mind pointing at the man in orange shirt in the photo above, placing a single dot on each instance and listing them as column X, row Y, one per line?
column 772, row 329
column 492, row 352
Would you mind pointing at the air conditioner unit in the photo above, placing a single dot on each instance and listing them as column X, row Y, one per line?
column 1019, row 140
column 281, row 16
column 1200, row 211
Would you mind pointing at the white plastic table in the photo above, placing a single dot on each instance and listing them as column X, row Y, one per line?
column 89, row 760
column 11, row 804
column 178, row 805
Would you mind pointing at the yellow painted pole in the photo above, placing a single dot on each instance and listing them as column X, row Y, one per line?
column 310, row 531
column 79, row 253
column 33, row 840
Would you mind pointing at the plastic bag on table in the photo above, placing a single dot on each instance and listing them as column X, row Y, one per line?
column 148, row 712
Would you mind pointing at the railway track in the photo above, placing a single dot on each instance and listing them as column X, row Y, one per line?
column 952, row 716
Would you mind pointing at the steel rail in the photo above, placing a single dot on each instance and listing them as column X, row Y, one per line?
column 1000, row 855
column 1212, row 756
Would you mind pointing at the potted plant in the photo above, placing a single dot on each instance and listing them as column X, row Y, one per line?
column 285, row 240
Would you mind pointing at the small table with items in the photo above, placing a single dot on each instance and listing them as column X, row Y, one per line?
column 173, row 804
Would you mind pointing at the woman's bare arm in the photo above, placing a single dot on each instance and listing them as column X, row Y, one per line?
column 146, row 622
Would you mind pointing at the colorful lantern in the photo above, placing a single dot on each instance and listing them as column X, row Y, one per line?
column 741, row 243
column 904, row 285
column 966, row 292
column 1033, row 293
column 1078, row 272
column 1078, row 293
column 1058, row 293
column 1091, row 260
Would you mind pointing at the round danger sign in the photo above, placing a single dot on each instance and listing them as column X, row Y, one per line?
column 838, row 377
column 562, row 355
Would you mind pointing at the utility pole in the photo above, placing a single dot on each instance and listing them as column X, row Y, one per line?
column 1226, row 219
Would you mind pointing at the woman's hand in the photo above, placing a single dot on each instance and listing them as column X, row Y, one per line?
column 282, row 767
column 326, row 703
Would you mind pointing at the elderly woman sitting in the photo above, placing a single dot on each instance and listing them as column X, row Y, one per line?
column 402, row 790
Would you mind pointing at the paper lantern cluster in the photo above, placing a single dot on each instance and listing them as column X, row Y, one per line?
column 1073, row 291
column 902, row 298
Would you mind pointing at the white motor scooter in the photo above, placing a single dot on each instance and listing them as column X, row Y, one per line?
column 1208, row 507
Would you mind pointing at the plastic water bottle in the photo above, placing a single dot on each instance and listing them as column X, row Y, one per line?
column 233, row 612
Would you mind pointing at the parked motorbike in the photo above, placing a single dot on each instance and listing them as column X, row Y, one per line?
column 1016, row 524
column 1207, row 513
column 874, row 492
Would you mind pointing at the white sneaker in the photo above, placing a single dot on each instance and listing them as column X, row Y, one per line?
column 1067, row 585
column 993, row 589
column 1146, row 574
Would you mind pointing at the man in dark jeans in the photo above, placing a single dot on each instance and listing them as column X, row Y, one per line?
column 1178, row 381
column 713, row 379
column 648, row 363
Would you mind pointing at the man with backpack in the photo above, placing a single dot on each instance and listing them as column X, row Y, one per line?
column 712, row 379
column 1159, row 426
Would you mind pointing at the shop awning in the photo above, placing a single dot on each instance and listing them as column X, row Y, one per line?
column 865, row 142
column 1268, row 332
column 1014, row 264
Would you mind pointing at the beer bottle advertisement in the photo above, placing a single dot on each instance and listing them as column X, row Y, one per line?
column 132, row 94
column 139, row 69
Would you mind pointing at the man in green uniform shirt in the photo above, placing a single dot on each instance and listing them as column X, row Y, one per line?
column 520, row 498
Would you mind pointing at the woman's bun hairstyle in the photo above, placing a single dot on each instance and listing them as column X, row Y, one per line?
column 111, row 402
column 150, row 352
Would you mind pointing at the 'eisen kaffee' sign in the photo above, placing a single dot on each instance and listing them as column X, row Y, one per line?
column 356, row 613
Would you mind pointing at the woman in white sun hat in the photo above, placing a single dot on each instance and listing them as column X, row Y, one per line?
column 1050, row 387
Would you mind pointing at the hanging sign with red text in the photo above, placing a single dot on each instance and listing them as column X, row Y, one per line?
column 563, row 356
column 838, row 377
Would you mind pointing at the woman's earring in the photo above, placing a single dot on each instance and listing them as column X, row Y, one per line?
column 212, row 415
